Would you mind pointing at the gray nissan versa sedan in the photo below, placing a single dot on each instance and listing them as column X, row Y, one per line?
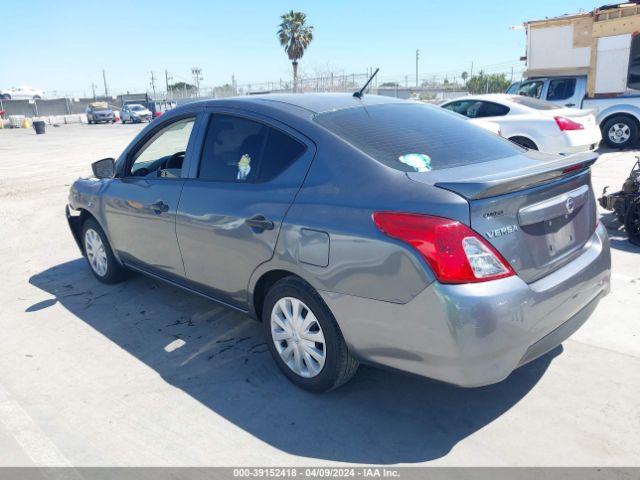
column 357, row 230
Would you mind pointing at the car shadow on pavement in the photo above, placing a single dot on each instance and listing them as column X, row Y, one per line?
column 380, row 417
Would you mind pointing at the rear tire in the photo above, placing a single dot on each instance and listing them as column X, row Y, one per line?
column 524, row 142
column 97, row 251
column 620, row 132
column 336, row 365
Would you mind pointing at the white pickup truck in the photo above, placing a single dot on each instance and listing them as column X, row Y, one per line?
column 618, row 116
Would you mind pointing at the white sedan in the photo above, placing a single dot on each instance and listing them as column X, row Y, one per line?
column 21, row 93
column 533, row 123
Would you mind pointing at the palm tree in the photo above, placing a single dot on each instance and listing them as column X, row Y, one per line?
column 295, row 36
column 464, row 76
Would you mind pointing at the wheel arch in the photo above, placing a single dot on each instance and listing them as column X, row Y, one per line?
column 630, row 111
column 85, row 214
column 263, row 281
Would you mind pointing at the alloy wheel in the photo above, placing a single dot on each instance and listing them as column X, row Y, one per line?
column 619, row 133
column 298, row 337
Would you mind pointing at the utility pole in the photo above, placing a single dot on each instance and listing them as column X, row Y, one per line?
column 511, row 74
column 104, row 79
column 197, row 76
column 93, row 88
column 166, row 81
column 471, row 74
column 153, row 84
column 417, row 58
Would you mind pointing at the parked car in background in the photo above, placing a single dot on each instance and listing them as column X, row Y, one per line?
column 160, row 107
column 470, row 257
column 617, row 116
column 135, row 113
column 489, row 126
column 589, row 60
column 21, row 93
column 100, row 112
column 533, row 123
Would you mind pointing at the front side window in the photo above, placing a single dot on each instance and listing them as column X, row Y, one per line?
column 468, row 108
column 237, row 149
column 531, row 89
column 163, row 155
column 561, row 89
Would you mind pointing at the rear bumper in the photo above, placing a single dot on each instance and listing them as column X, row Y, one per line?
column 575, row 141
column 476, row 334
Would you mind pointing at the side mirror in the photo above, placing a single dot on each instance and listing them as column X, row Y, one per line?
column 105, row 168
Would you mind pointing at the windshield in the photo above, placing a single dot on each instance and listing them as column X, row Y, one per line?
column 415, row 137
column 137, row 108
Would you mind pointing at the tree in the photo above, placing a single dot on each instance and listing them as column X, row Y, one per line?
column 182, row 86
column 483, row 83
column 389, row 84
column 464, row 76
column 295, row 36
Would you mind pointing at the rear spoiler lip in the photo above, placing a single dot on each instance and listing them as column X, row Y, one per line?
column 508, row 182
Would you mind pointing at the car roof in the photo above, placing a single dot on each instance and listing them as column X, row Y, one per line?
column 312, row 102
column 489, row 97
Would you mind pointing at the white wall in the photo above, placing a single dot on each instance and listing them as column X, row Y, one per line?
column 612, row 63
column 553, row 48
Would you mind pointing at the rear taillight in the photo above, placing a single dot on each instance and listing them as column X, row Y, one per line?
column 565, row 124
column 455, row 253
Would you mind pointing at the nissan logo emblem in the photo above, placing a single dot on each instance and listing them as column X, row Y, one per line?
column 570, row 204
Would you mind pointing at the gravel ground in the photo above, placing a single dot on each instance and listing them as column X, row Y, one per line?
column 144, row 374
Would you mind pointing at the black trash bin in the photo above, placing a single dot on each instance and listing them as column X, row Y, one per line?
column 38, row 125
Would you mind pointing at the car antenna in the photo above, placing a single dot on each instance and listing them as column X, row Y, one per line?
column 360, row 92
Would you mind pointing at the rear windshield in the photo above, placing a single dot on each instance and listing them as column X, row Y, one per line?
column 534, row 103
column 414, row 137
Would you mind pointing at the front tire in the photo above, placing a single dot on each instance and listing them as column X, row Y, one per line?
column 304, row 338
column 102, row 262
column 620, row 132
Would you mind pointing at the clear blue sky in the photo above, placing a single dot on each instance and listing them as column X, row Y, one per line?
column 64, row 45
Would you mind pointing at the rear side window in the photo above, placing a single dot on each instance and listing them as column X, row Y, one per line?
column 413, row 137
column 490, row 109
column 561, row 89
column 237, row 149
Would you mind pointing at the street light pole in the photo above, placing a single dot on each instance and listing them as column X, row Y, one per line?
column 417, row 58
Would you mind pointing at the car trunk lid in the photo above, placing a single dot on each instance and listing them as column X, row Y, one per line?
column 585, row 118
column 538, row 215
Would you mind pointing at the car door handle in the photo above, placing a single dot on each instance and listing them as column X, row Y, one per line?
column 569, row 104
column 159, row 207
column 260, row 222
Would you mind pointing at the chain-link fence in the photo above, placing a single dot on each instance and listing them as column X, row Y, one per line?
column 428, row 86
